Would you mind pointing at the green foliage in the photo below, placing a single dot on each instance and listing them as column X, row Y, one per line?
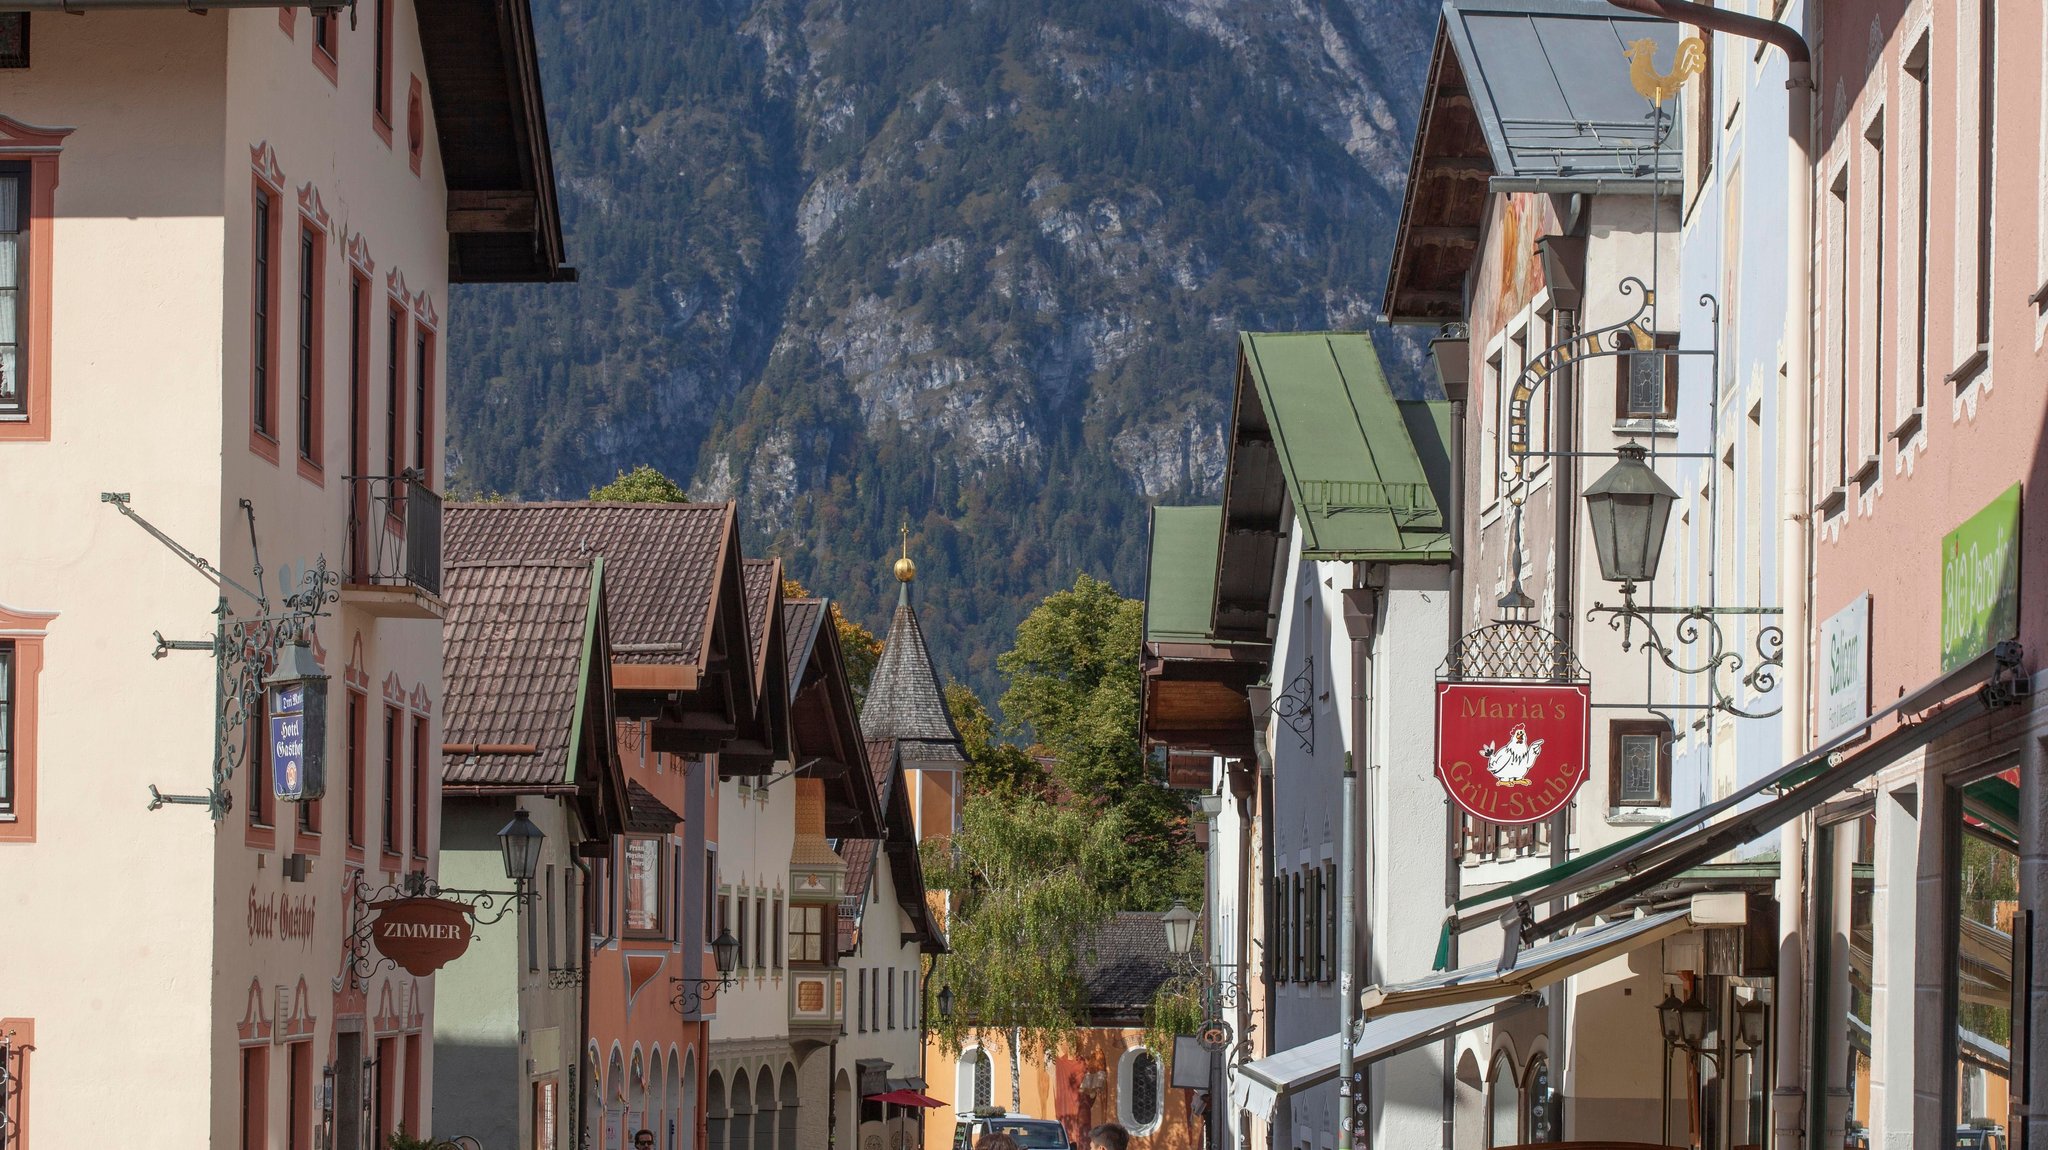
column 1074, row 685
column 1030, row 883
column 1178, row 1007
column 994, row 766
column 643, row 484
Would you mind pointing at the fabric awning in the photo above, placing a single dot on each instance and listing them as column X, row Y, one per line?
column 1533, row 968
column 1656, row 855
column 1257, row 1086
column 905, row 1098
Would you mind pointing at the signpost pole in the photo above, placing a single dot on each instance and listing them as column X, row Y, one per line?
column 1347, row 946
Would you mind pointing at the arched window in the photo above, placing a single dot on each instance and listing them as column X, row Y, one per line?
column 741, row 1132
column 975, row 1078
column 714, row 1113
column 1140, row 1096
column 1504, row 1108
column 1539, row 1106
column 764, row 1112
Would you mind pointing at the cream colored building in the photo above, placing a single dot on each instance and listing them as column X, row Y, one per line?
column 233, row 234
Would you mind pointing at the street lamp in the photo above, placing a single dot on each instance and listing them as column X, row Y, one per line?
column 725, row 953
column 1629, row 508
column 946, row 1004
column 1667, row 1018
column 1751, row 1018
column 692, row 993
column 519, row 841
column 1180, row 928
column 1693, row 1017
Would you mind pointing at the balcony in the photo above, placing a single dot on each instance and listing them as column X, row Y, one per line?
column 392, row 558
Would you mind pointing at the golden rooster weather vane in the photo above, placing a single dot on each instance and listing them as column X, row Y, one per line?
column 1658, row 87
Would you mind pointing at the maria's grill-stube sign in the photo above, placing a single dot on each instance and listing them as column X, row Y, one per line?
column 1512, row 752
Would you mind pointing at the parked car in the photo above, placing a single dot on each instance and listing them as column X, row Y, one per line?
column 1988, row 1136
column 1029, row 1133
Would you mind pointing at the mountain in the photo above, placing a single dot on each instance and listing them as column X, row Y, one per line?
column 972, row 266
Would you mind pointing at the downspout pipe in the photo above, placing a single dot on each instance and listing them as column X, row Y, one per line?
column 1794, row 435
column 1361, row 617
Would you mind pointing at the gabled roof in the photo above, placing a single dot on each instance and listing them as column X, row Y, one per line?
column 515, row 657
column 483, row 76
column 800, row 621
column 1522, row 95
column 646, row 814
column 1180, row 573
column 823, row 722
column 763, row 580
column 1123, row 964
column 904, row 700
column 1368, row 475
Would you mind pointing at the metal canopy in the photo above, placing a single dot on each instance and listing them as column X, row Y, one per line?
column 1532, row 969
column 1257, row 1086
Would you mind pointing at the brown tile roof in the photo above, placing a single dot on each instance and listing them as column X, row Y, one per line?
column 646, row 814
column 860, row 875
column 512, row 651
column 661, row 562
column 904, row 698
column 800, row 619
column 881, row 767
column 760, row 577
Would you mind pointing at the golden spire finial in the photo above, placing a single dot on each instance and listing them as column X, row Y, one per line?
column 905, row 569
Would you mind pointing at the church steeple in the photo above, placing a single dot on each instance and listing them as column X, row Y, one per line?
column 906, row 571
column 905, row 701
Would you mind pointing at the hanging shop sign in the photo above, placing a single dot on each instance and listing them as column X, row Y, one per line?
column 1845, row 668
column 1980, row 581
column 1512, row 752
column 421, row 935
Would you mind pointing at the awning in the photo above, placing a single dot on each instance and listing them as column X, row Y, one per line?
column 906, row 1098
column 1533, row 968
column 1654, row 856
column 1256, row 1086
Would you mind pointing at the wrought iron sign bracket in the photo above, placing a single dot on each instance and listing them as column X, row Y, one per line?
column 1699, row 630
column 362, row 961
column 693, row 993
column 1295, row 706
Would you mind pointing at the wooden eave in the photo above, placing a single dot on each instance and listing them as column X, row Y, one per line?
column 1444, row 202
column 1254, row 500
column 600, row 776
column 825, row 724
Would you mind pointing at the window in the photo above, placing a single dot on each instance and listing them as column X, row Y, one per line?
column 1504, row 1109
column 1870, row 393
column 299, row 1096
column 6, row 728
column 326, row 44
column 14, row 268
column 740, row 931
column 1638, row 764
column 1646, row 384
column 1295, row 915
column 263, row 324
column 644, row 887
column 262, row 802
column 714, row 907
column 1835, row 456
column 547, row 891
column 420, row 771
column 1138, row 1095
column 353, row 795
column 14, row 40
column 17, row 1042
column 392, row 817
column 860, row 995
column 1537, row 1108
column 394, row 396
column 1987, row 132
column 1333, row 898
column 572, row 941
column 312, row 258
column 760, row 932
column 889, row 977
column 1312, row 926
column 724, row 916
column 529, row 916
column 775, row 932
column 255, row 1098
column 1277, row 958
column 807, row 933
column 380, row 92
column 1921, row 99
column 977, row 1077
column 422, row 405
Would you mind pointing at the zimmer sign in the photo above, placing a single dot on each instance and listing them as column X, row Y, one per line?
column 421, row 934
column 1512, row 752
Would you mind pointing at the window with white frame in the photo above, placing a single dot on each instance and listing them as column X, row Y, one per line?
column 1140, row 1090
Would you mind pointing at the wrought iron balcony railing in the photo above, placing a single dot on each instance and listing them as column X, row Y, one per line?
column 394, row 533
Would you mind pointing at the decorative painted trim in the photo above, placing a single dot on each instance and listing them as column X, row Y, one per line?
column 359, row 254
column 394, row 689
column 350, row 999
column 288, row 21
column 302, row 1020
column 419, row 701
column 353, row 673
column 263, row 158
column 254, row 1029
column 319, row 648
column 394, row 285
column 388, row 1020
column 314, row 209
column 414, row 1019
column 423, row 310
column 25, row 630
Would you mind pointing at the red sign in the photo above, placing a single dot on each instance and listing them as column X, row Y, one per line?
column 421, row 934
column 1512, row 752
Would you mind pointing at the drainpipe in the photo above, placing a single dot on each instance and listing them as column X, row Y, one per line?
column 1361, row 615
column 583, row 1069
column 1260, row 697
column 1794, row 436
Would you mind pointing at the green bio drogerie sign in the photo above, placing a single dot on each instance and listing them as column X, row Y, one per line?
column 1980, row 581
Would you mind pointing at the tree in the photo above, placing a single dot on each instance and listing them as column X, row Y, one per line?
column 643, row 484
column 858, row 647
column 993, row 765
column 1074, row 685
column 1029, row 883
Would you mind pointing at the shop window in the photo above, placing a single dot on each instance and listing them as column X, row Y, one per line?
column 1638, row 763
column 1139, row 1091
column 645, row 885
column 1985, row 917
column 1539, row 1105
column 299, row 1096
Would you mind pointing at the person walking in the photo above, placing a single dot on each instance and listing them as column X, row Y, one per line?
column 1109, row 1136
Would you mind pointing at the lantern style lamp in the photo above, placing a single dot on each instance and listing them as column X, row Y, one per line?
column 1629, row 508
column 1693, row 1020
column 946, row 1003
column 520, row 842
column 1667, row 1018
column 1750, row 1020
column 1451, row 353
column 1180, row 928
column 725, row 953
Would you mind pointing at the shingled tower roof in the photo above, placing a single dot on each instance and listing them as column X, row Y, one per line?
column 904, row 700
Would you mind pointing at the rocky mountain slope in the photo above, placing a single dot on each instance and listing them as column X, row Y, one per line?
column 970, row 264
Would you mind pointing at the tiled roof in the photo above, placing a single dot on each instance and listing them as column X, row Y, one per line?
column 800, row 620
column 661, row 562
column 860, row 876
column 646, row 814
column 904, row 700
column 1126, row 962
column 881, row 760
column 760, row 577
column 512, row 650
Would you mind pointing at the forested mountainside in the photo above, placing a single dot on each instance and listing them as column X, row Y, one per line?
column 971, row 265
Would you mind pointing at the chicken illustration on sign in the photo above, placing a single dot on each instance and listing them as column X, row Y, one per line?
column 1512, row 752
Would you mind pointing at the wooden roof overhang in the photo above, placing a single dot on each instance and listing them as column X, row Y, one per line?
column 483, row 71
column 825, row 725
column 1255, row 518
column 600, row 776
column 1194, row 694
column 1444, row 203
column 906, row 868
column 707, row 705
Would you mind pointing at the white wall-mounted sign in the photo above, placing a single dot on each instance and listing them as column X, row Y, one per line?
column 1845, row 668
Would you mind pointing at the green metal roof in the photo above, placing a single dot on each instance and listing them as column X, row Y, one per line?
column 1369, row 474
column 1180, row 585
